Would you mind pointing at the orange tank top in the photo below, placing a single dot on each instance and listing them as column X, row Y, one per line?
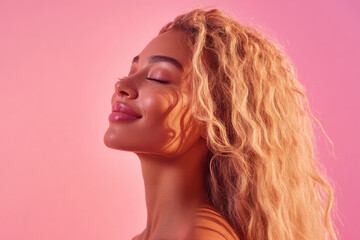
column 209, row 224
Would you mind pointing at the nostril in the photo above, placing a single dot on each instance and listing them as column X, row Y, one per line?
column 124, row 89
column 124, row 93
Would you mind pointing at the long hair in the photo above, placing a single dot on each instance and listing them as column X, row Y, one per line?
column 263, row 175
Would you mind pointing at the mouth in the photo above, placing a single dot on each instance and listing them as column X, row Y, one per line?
column 124, row 109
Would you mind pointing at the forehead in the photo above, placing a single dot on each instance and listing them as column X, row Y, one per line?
column 172, row 44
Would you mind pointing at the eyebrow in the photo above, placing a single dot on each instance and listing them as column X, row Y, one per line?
column 159, row 58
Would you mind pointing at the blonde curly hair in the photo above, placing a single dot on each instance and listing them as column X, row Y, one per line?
column 263, row 175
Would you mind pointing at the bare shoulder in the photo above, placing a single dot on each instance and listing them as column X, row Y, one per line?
column 211, row 225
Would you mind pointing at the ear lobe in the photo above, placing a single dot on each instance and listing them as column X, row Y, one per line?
column 204, row 133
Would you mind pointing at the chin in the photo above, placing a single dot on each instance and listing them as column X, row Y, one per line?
column 110, row 141
column 113, row 142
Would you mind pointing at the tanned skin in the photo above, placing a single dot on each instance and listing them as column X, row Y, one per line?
column 171, row 146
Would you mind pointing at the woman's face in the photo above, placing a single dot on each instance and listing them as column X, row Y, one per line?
column 166, row 126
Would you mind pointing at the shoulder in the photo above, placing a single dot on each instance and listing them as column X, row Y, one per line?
column 210, row 225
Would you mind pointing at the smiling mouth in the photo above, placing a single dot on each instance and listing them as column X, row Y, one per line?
column 122, row 108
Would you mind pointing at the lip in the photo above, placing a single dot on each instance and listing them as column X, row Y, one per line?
column 120, row 116
column 122, row 108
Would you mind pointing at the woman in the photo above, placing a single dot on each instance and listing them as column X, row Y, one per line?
column 218, row 120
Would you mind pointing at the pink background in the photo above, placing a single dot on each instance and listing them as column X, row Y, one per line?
column 58, row 64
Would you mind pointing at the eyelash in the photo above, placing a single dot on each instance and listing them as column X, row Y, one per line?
column 152, row 79
column 160, row 81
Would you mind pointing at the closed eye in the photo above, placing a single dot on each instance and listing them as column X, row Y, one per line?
column 157, row 80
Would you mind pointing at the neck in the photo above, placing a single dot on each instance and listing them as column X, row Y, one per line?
column 174, row 188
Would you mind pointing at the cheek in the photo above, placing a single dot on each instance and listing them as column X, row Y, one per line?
column 158, row 104
column 166, row 110
column 169, row 117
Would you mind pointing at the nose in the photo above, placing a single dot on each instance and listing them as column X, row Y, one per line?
column 124, row 89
